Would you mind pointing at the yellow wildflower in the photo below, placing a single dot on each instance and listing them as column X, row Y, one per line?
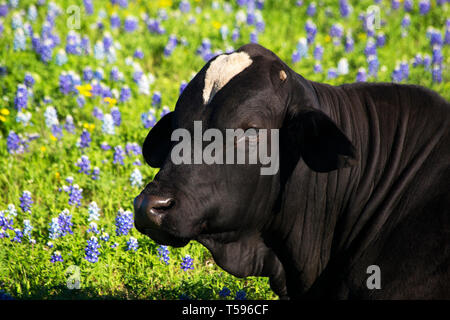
column 216, row 24
column 43, row 149
column 362, row 36
column 327, row 38
column 109, row 100
column 4, row 112
column 164, row 3
column 2, row 119
column 53, row 138
column 85, row 90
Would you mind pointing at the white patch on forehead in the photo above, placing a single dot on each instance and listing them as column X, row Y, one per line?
column 222, row 70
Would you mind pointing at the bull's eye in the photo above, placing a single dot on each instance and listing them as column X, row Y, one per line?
column 251, row 135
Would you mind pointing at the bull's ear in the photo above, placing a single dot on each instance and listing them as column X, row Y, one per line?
column 321, row 144
column 157, row 144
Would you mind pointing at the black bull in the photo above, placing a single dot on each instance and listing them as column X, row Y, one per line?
column 364, row 180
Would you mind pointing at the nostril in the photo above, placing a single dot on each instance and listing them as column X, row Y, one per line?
column 159, row 204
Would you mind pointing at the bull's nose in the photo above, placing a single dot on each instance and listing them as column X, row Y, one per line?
column 151, row 208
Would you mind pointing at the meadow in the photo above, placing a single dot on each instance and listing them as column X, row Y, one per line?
column 82, row 83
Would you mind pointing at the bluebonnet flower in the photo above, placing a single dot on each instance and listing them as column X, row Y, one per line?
column 136, row 178
column 21, row 98
column 99, row 51
column 156, row 99
column 424, row 6
column 114, row 21
column 371, row 47
column 16, row 21
column 154, row 26
column 318, row 52
column 187, row 263
column 437, row 73
column 395, row 4
column 85, row 139
column 65, row 222
column 380, row 39
column 75, row 195
column 311, row 30
column 344, row 8
column 332, row 73
column 125, row 94
column 404, row 68
column 69, row 125
column 56, row 257
column 235, row 34
column 184, row 6
column 46, row 50
column 115, row 74
column 91, row 250
column 88, row 6
column 163, row 253
column 93, row 228
column 88, row 74
column 426, row 61
column 73, row 43
column 98, row 113
column 83, row 164
column 336, row 30
column 397, row 75
column 27, row 228
column 240, row 295
column 418, row 60
column 124, row 222
column 95, row 173
column 408, row 5
column 114, row 245
column 132, row 148
column 55, row 229
column 18, row 235
column 373, row 65
column 349, row 43
column 4, row 9
column 105, row 236
column 6, row 222
column 105, row 146
column 138, row 54
column 26, row 201
column 311, row 9
column 253, row 37
column 130, row 24
column 361, row 75
column 171, row 45
column 406, row 22
column 93, row 211
column 148, row 119
column 119, row 155
column 29, row 80
column 14, row 144
column 108, row 124
column 437, row 57
column 19, row 40
column 51, row 117
column 317, row 68
column 57, row 131
column 11, row 210
column 225, row 292
column 132, row 244
column 23, row 118
column 342, row 67
column 302, row 50
column 165, row 110
column 115, row 114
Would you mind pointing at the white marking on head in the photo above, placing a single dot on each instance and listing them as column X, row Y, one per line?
column 222, row 70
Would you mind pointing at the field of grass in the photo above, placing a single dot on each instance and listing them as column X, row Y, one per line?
column 156, row 47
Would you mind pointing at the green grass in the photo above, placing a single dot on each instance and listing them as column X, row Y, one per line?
column 25, row 269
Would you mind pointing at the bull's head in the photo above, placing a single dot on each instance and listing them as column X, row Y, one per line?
column 229, row 207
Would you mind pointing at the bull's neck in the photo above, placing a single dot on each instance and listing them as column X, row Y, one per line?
column 313, row 203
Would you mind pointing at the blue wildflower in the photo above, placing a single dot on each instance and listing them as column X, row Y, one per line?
column 132, row 244
column 26, row 201
column 119, row 155
column 124, row 222
column 225, row 292
column 56, row 257
column 91, row 250
column 163, row 253
column 187, row 263
column 136, row 178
